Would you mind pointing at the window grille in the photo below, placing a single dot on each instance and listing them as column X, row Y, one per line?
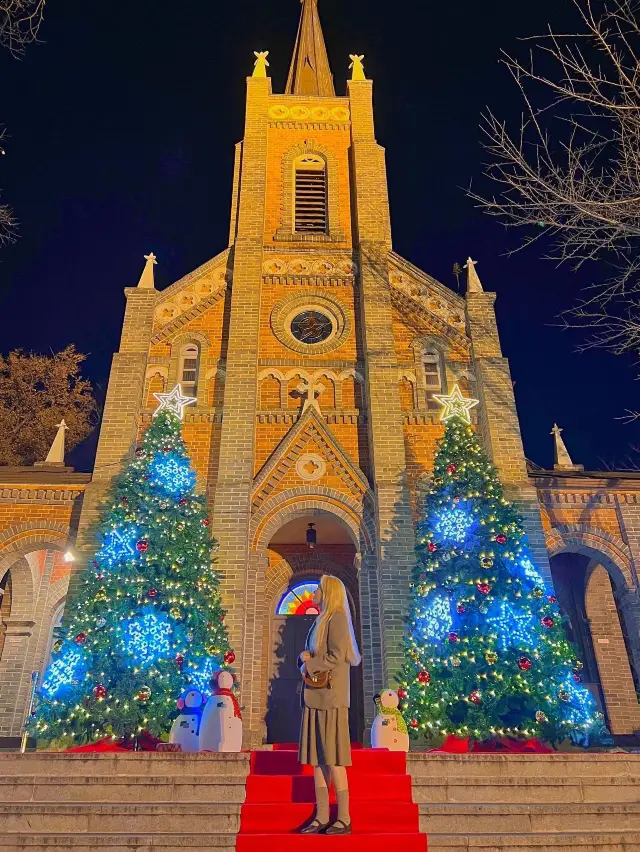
column 433, row 377
column 189, row 370
column 311, row 196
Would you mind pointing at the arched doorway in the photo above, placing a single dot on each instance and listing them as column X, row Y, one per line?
column 292, row 576
column 589, row 596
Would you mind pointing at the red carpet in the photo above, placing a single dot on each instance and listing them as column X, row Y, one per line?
column 280, row 798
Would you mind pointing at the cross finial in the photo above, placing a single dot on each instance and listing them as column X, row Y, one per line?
column 562, row 459
column 311, row 390
column 261, row 63
column 357, row 67
column 147, row 278
column 473, row 282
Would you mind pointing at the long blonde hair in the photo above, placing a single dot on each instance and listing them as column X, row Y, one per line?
column 334, row 599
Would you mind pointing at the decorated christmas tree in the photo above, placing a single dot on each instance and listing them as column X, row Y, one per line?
column 486, row 652
column 146, row 621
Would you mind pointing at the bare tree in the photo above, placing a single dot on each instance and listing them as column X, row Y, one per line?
column 19, row 23
column 570, row 174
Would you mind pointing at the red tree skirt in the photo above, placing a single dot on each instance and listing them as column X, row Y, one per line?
column 145, row 743
column 506, row 745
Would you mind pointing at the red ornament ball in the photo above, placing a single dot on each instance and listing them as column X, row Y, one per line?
column 99, row 691
column 577, row 677
column 414, row 724
column 402, row 694
column 453, row 637
column 140, row 453
column 552, row 599
column 144, row 694
column 182, row 502
column 451, row 468
column 432, row 547
column 541, row 717
column 501, row 538
column 99, row 576
column 166, row 449
column 95, row 563
column 476, row 697
column 142, row 546
column 81, row 638
column 152, row 593
column 179, row 660
column 483, row 588
column 229, row 657
column 206, row 522
column 524, row 664
column 424, row 677
column 124, row 501
column 564, row 696
column 547, row 621
column 460, row 609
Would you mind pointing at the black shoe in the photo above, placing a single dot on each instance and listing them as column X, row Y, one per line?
column 314, row 827
column 339, row 827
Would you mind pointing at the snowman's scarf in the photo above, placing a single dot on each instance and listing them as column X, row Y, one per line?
column 393, row 711
column 236, row 707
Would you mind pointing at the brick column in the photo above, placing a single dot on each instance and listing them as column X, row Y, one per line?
column 232, row 502
column 15, row 653
column 119, row 429
column 498, row 421
column 611, row 655
column 395, row 532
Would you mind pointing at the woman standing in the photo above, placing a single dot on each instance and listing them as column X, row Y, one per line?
column 324, row 733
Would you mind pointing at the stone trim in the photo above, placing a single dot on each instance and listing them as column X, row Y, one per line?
column 40, row 495
column 173, row 326
column 593, row 542
column 408, row 304
column 191, row 277
column 290, row 416
column 285, row 232
column 309, row 500
column 401, row 264
column 311, row 281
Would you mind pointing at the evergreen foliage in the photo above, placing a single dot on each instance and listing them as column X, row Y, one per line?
column 146, row 621
column 486, row 651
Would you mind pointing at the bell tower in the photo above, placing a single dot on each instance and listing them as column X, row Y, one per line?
column 310, row 235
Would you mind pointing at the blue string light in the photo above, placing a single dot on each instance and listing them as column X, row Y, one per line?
column 581, row 708
column 118, row 544
column 435, row 621
column 63, row 671
column 147, row 637
column 200, row 677
column 454, row 524
column 514, row 627
column 532, row 573
column 171, row 474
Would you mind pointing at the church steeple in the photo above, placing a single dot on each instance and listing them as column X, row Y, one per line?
column 310, row 72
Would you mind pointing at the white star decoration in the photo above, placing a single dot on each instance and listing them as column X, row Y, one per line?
column 174, row 402
column 455, row 405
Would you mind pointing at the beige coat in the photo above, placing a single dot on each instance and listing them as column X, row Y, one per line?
column 332, row 657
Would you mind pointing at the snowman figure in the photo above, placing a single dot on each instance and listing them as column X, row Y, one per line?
column 185, row 731
column 389, row 728
column 221, row 728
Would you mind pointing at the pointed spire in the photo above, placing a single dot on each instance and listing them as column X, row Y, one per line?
column 56, row 453
column 562, row 459
column 473, row 282
column 310, row 72
column 147, row 279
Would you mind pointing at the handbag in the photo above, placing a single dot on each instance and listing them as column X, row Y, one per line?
column 322, row 680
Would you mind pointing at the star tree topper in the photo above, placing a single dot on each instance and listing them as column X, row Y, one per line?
column 174, row 402
column 455, row 405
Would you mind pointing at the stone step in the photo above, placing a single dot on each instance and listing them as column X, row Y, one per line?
column 528, row 818
column 153, row 764
column 531, row 790
column 613, row 841
column 543, row 766
column 115, row 842
column 229, row 789
column 81, row 818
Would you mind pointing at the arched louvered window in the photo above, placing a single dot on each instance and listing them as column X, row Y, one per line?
column 189, row 369
column 311, row 216
column 432, row 363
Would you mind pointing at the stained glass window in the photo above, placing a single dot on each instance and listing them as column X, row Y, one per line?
column 299, row 600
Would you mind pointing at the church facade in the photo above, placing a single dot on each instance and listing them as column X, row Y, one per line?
column 315, row 352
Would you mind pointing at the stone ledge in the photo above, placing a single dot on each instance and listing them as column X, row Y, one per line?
column 615, row 841
column 116, row 842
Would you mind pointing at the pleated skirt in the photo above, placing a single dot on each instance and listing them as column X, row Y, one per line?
column 324, row 737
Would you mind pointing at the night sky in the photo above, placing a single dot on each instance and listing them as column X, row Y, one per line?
column 122, row 125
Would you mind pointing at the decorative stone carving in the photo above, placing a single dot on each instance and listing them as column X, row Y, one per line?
column 316, row 114
column 430, row 300
column 191, row 296
column 310, row 467
column 286, row 310
column 327, row 267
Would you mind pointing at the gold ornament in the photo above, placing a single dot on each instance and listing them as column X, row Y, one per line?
column 491, row 657
column 174, row 612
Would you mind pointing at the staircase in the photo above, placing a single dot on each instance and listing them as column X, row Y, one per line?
column 120, row 802
column 168, row 802
column 544, row 803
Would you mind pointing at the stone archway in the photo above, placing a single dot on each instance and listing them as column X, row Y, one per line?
column 261, row 588
column 594, row 569
column 31, row 556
